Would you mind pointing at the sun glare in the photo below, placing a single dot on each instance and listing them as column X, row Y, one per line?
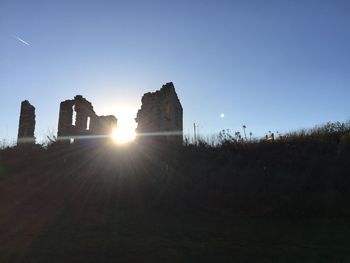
column 125, row 131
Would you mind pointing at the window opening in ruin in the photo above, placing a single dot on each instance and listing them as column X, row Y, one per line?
column 167, row 111
column 88, row 124
column 71, row 140
column 74, row 117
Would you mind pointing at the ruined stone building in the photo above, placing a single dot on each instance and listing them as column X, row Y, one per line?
column 159, row 119
column 160, row 116
column 26, row 125
column 77, row 118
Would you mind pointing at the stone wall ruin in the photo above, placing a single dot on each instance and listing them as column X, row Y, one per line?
column 159, row 119
column 26, row 125
column 160, row 116
column 78, row 120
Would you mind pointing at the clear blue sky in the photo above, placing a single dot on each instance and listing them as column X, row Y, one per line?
column 271, row 65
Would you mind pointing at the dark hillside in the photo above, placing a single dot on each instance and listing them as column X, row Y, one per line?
column 281, row 201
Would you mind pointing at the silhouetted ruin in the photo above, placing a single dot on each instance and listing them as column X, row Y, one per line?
column 26, row 125
column 78, row 118
column 160, row 116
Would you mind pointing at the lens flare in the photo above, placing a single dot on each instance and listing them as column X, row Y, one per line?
column 124, row 133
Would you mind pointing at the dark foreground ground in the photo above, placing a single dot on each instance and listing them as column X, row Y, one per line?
column 194, row 205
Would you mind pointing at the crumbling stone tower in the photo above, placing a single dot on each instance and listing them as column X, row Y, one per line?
column 160, row 116
column 78, row 120
column 26, row 125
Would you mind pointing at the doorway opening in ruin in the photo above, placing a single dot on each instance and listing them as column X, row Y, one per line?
column 74, row 116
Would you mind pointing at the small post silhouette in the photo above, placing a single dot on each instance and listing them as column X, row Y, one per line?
column 195, row 135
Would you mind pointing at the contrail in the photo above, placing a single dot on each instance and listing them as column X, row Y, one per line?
column 21, row 40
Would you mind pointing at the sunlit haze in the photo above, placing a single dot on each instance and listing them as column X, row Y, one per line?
column 125, row 132
column 124, row 109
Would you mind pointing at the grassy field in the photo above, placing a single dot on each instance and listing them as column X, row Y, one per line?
column 257, row 202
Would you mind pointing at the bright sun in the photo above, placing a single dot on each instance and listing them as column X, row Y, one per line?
column 125, row 131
